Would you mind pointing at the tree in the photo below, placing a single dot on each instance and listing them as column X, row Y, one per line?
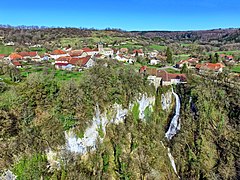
column 184, row 68
column 169, row 55
column 216, row 56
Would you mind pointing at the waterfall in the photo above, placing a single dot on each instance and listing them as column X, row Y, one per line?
column 173, row 128
column 175, row 123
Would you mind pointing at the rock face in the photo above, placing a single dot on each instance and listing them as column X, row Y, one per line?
column 8, row 175
column 99, row 123
column 97, row 130
column 145, row 102
column 166, row 100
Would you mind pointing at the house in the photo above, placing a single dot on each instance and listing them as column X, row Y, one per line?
column 123, row 50
column 62, row 62
column 2, row 57
column 89, row 51
column 85, row 62
column 108, row 52
column 131, row 61
column 225, row 57
column 153, row 54
column 151, row 74
column 30, row 55
column 181, row 63
column 69, row 63
column 171, row 78
column 138, row 52
column 161, row 77
column 15, row 56
column 121, row 57
column 99, row 56
column 58, row 53
column 210, row 67
column 45, row 57
column 16, row 63
column 191, row 62
column 154, row 62
column 9, row 44
column 77, row 53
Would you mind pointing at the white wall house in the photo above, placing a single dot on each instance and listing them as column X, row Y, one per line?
column 154, row 62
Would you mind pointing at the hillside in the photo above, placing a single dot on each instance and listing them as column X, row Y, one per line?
column 111, row 124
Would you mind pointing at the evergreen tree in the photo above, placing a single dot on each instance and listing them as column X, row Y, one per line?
column 184, row 69
column 216, row 56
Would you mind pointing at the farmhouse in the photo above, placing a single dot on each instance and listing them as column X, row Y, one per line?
column 138, row 52
column 30, row 55
column 190, row 63
column 210, row 67
column 15, row 56
column 69, row 63
column 154, row 62
column 161, row 77
column 16, row 63
column 89, row 51
column 58, row 53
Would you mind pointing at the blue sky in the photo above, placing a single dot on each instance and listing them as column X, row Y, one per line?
column 124, row 14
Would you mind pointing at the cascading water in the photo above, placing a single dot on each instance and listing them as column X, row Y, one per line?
column 175, row 123
column 173, row 128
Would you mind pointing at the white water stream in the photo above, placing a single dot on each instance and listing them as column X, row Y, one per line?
column 175, row 126
column 175, row 123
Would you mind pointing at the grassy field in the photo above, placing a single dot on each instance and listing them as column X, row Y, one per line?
column 228, row 52
column 91, row 40
column 180, row 57
column 6, row 49
column 236, row 69
column 157, row 47
column 169, row 70
column 40, row 51
column 62, row 75
column 59, row 75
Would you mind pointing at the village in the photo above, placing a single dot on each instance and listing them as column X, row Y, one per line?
column 158, row 72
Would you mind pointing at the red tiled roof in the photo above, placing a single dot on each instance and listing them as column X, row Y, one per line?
column 64, row 58
column 76, row 53
column 80, row 61
column 230, row 57
column 210, row 66
column 182, row 61
column 58, row 52
column 138, row 50
column 168, row 76
column 31, row 54
column 142, row 69
column 2, row 55
column 16, row 63
column 15, row 56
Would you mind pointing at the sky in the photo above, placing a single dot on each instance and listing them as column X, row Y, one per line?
column 128, row 15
